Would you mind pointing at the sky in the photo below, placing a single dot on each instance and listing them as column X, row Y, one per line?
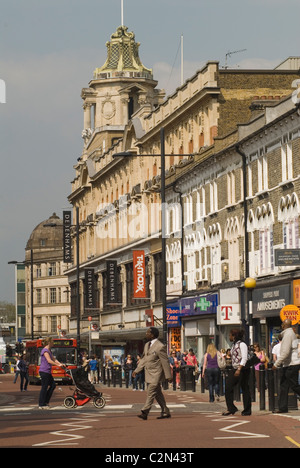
column 48, row 52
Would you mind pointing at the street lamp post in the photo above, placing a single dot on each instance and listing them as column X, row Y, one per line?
column 77, row 275
column 250, row 284
column 163, row 223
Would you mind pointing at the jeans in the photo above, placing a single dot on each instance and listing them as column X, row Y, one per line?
column 139, row 378
column 213, row 379
column 24, row 376
column 48, row 387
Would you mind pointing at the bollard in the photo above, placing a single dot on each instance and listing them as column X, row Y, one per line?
column 182, row 379
column 262, row 388
column 252, row 384
column 126, row 378
column 174, row 378
column 108, row 376
column 271, row 387
column 103, row 375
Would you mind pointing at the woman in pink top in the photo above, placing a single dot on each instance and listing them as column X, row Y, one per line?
column 191, row 359
column 261, row 355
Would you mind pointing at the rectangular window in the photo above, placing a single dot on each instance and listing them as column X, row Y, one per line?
column 52, row 295
column 287, row 162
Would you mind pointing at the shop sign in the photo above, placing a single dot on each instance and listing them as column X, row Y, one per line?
column 173, row 316
column 190, row 307
column 268, row 302
column 296, row 288
column 112, row 282
column 89, row 288
column 199, row 305
column 139, row 274
column 175, row 338
column 67, row 242
column 290, row 312
column 229, row 314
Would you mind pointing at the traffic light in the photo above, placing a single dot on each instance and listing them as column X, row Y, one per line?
column 19, row 347
column 9, row 351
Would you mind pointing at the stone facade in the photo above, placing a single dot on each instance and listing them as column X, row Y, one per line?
column 118, row 198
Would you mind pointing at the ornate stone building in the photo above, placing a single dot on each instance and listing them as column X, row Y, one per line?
column 119, row 201
column 46, row 281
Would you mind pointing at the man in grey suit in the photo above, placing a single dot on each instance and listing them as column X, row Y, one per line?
column 157, row 368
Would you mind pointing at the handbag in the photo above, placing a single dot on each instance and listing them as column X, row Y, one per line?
column 221, row 361
column 252, row 361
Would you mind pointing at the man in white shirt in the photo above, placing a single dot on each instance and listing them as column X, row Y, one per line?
column 239, row 374
column 276, row 349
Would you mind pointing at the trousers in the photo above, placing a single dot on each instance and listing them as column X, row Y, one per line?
column 243, row 381
column 154, row 391
column 48, row 387
column 289, row 380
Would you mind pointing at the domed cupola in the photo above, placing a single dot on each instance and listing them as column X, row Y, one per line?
column 123, row 57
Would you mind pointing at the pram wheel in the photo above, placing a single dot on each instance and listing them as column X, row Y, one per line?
column 99, row 402
column 69, row 402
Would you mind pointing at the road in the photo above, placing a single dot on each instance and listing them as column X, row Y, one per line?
column 194, row 424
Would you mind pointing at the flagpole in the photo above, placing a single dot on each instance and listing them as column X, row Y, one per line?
column 122, row 12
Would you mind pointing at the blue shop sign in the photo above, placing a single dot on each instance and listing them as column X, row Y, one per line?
column 191, row 306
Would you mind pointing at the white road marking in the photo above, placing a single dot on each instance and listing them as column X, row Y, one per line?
column 238, row 434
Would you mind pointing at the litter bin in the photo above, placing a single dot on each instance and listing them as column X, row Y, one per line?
column 117, row 375
column 187, row 378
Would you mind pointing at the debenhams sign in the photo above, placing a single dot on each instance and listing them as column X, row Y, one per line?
column 269, row 302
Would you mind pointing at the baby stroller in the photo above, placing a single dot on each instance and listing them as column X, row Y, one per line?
column 84, row 390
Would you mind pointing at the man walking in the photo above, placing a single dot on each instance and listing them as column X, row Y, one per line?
column 290, row 361
column 157, row 368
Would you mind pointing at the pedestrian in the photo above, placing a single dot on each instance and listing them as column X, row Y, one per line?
column 262, row 358
column 290, row 362
column 213, row 373
column 94, row 370
column 276, row 348
column 174, row 363
column 239, row 374
column 191, row 359
column 23, row 368
column 47, row 381
column 156, row 364
column 128, row 368
column 139, row 378
column 17, row 370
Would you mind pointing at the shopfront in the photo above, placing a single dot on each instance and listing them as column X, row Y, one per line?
column 195, row 319
column 267, row 304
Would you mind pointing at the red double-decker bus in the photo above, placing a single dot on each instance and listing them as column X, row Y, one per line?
column 64, row 350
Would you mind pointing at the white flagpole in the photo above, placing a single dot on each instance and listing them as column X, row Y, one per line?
column 122, row 12
column 182, row 60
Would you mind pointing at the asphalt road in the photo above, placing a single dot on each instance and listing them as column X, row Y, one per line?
column 194, row 424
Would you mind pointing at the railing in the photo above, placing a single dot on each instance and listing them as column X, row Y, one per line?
column 267, row 390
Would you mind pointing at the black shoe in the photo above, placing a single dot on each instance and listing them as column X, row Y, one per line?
column 143, row 416
column 279, row 412
column 246, row 413
column 164, row 416
column 229, row 413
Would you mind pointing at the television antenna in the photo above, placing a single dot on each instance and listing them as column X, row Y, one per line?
column 229, row 54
